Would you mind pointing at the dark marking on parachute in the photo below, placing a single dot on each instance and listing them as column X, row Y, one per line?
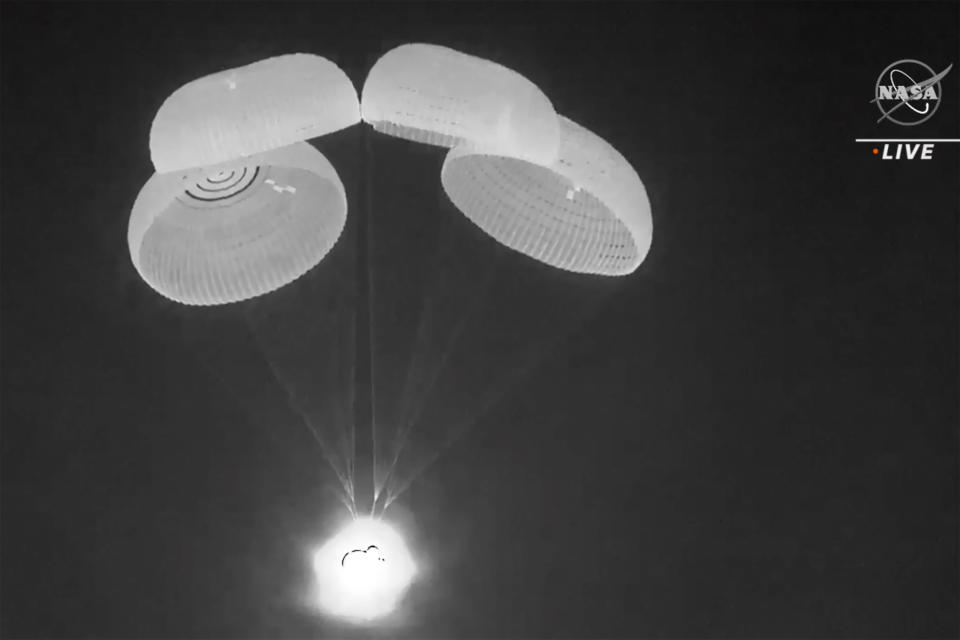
column 229, row 195
column 226, row 177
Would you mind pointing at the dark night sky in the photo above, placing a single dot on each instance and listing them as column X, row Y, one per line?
column 754, row 435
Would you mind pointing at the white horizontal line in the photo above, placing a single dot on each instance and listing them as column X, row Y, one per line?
column 907, row 140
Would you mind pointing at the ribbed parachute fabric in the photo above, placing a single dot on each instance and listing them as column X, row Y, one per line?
column 587, row 211
column 248, row 110
column 439, row 96
column 240, row 205
column 237, row 230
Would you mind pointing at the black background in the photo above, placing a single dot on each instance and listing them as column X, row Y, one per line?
column 755, row 435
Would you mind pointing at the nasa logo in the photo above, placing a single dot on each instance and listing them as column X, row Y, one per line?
column 911, row 90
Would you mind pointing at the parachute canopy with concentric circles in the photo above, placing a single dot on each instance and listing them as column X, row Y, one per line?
column 241, row 205
column 238, row 230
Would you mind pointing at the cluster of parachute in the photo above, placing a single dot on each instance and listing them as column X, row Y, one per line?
column 241, row 205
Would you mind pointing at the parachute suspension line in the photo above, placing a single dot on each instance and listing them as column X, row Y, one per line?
column 411, row 415
column 414, row 369
column 368, row 201
column 340, row 469
column 529, row 362
column 461, row 428
column 351, row 432
column 347, row 502
column 331, row 460
column 465, row 425
column 413, row 364
column 462, row 324
column 363, row 405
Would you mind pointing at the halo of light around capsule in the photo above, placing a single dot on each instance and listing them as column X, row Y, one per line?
column 363, row 571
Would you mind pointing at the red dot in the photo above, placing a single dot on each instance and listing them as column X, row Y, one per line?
column 876, row 151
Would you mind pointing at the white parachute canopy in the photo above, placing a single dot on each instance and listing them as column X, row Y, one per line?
column 248, row 110
column 238, row 230
column 439, row 96
column 240, row 205
column 587, row 211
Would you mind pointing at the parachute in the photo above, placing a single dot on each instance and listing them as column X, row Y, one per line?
column 240, row 205
column 535, row 181
column 239, row 230
column 435, row 95
column 248, row 110
column 586, row 211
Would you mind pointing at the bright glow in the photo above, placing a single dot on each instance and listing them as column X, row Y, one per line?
column 363, row 571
